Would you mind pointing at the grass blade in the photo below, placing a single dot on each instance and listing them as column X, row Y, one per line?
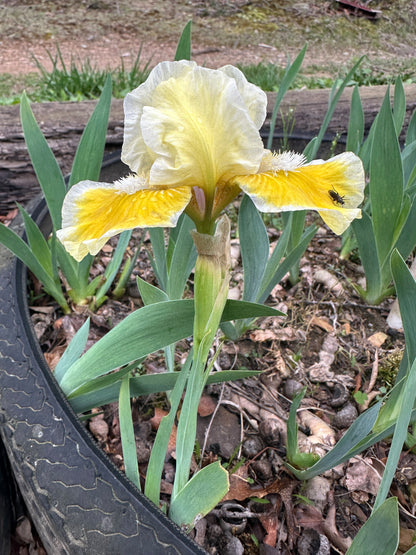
column 380, row 534
column 89, row 156
column 19, row 248
column 386, row 180
column 106, row 389
column 113, row 266
column 254, row 244
column 399, row 437
column 145, row 331
column 363, row 230
column 44, row 163
column 195, row 500
column 399, row 105
column 411, row 130
column 181, row 260
column 342, row 451
column 157, row 456
column 290, row 74
column 128, row 442
column 37, row 243
column 356, row 123
column 183, row 50
column 73, row 351
column 312, row 148
column 158, row 260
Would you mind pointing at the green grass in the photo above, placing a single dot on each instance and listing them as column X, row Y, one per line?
column 73, row 82
column 268, row 76
column 11, row 87
column 83, row 81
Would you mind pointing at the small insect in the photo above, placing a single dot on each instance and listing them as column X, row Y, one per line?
column 336, row 197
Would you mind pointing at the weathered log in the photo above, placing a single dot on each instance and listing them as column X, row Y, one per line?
column 63, row 122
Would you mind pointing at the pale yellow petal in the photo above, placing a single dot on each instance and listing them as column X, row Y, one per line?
column 335, row 188
column 254, row 98
column 94, row 212
column 135, row 153
column 194, row 126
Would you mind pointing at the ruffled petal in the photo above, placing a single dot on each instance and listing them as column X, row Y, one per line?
column 254, row 98
column 335, row 188
column 93, row 212
column 135, row 153
column 193, row 126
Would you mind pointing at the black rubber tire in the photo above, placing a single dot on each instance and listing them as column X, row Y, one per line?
column 79, row 501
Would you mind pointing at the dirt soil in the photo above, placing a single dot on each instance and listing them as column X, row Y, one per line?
column 224, row 31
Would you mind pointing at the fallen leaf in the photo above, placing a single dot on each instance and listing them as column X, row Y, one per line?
column 240, row 489
column 311, row 517
column 330, row 281
column 362, row 476
column 346, row 328
column 407, row 539
column 157, row 417
column 107, row 248
column 155, row 422
column 377, row 339
column 206, row 405
column 99, row 427
column 286, row 334
column 43, row 309
column 322, row 323
column 263, row 335
column 54, row 357
column 270, row 523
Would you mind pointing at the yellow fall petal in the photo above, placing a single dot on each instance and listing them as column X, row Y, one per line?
column 334, row 188
column 94, row 212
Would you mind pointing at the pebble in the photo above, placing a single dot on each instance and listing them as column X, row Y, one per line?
column 292, row 388
column 262, row 470
column 317, row 489
column 252, row 446
column 269, row 431
column 311, row 542
column 340, row 396
column 345, row 417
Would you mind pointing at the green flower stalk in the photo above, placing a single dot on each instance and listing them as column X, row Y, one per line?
column 211, row 283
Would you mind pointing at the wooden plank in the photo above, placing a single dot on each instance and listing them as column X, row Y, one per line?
column 63, row 122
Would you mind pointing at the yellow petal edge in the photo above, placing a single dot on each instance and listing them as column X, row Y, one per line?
column 334, row 188
column 94, row 212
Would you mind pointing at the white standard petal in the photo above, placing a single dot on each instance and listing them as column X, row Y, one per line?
column 194, row 126
column 254, row 98
column 200, row 130
column 135, row 153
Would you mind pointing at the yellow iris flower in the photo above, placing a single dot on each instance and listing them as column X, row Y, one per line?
column 192, row 142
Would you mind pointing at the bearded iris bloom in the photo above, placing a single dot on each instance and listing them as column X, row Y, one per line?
column 192, row 143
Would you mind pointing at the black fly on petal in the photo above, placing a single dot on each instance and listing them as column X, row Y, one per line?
column 336, row 197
